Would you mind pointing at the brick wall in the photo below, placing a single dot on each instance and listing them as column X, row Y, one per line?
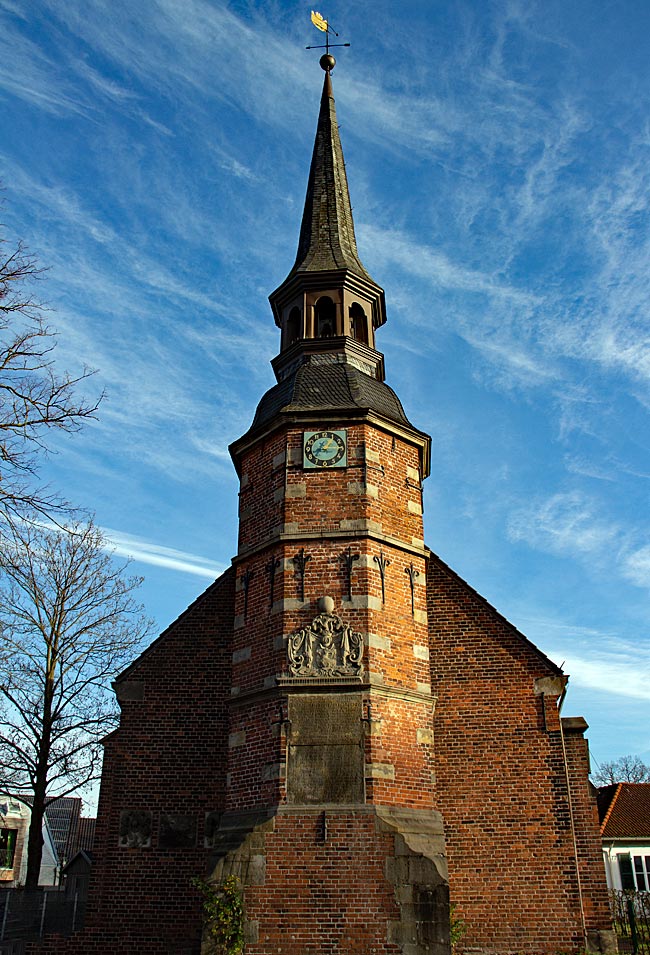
column 168, row 757
column 501, row 782
column 460, row 715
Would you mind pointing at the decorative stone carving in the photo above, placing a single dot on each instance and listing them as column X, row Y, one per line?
column 177, row 831
column 326, row 648
column 135, row 828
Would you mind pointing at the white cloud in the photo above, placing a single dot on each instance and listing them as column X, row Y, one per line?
column 636, row 567
column 566, row 524
column 426, row 262
column 594, row 659
column 144, row 551
column 621, row 677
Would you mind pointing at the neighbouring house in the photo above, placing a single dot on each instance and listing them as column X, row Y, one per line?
column 76, row 874
column 63, row 818
column 71, row 831
column 624, row 812
column 65, row 833
column 15, row 816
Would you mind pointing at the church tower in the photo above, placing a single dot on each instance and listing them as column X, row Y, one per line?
column 278, row 737
column 331, row 719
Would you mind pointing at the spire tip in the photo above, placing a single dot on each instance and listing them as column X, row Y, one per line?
column 327, row 62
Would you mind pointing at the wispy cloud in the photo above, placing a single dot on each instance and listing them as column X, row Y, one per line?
column 564, row 524
column 623, row 676
column 594, row 659
column 636, row 567
column 144, row 551
column 428, row 263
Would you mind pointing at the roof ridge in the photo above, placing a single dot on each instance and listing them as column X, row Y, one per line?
column 611, row 807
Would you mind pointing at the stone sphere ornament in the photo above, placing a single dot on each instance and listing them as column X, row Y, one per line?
column 326, row 604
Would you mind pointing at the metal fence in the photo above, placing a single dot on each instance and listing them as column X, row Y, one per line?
column 27, row 915
column 631, row 915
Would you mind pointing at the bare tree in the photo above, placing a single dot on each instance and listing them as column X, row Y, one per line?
column 625, row 769
column 68, row 623
column 34, row 399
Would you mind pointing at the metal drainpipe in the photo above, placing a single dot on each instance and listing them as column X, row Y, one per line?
column 573, row 827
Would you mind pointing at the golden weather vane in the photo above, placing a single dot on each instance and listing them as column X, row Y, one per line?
column 325, row 27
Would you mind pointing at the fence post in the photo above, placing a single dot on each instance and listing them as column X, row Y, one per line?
column 5, row 914
column 632, row 918
column 43, row 914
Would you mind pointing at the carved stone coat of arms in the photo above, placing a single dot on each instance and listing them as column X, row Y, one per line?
column 326, row 648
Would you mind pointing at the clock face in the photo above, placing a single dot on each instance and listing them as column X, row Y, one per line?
column 325, row 449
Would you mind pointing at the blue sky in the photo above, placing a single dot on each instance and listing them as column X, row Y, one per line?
column 155, row 157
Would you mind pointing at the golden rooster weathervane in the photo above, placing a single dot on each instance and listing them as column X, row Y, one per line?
column 319, row 21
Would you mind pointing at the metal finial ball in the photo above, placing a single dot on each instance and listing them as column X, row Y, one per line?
column 327, row 62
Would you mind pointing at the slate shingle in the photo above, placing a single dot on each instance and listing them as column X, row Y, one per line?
column 335, row 386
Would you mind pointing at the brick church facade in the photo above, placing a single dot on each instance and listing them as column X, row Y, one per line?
column 340, row 721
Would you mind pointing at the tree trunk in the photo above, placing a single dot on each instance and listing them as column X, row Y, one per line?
column 35, row 841
column 35, row 838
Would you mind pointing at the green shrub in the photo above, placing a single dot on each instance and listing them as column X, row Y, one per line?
column 223, row 913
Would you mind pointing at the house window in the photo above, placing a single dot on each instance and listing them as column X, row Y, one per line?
column 7, row 848
column 635, row 872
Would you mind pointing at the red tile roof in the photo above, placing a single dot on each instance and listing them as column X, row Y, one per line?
column 625, row 811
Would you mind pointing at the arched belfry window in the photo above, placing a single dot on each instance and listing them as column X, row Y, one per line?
column 359, row 324
column 294, row 323
column 325, row 313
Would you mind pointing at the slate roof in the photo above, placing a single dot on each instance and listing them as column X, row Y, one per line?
column 335, row 386
column 624, row 811
column 85, row 835
column 70, row 830
column 63, row 817
column 327, row 239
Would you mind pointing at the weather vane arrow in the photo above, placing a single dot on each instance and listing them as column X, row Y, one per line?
column 325, row 27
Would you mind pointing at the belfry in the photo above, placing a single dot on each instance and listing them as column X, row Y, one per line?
column 340, row 727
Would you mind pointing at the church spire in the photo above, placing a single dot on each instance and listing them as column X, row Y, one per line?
column 328, row 292
column 327, row 239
